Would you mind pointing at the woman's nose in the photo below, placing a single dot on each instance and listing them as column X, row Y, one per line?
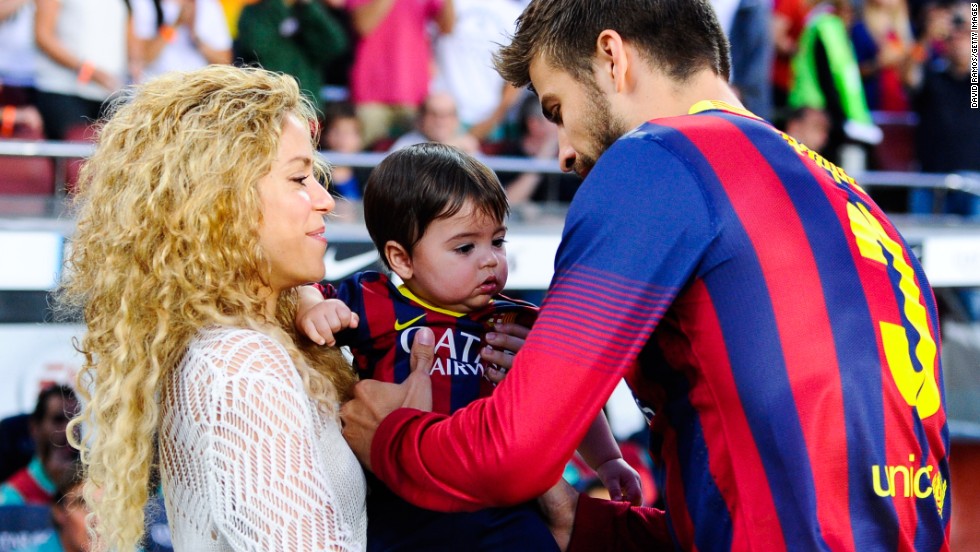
column 321, row 199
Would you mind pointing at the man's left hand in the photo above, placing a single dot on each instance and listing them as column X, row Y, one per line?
column 374, row 400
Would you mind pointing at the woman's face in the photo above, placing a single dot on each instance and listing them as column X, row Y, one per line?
column 293, row 206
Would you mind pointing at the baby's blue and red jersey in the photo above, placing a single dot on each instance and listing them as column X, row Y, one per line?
column 773, row 325
column 389, row 317
column 381, row 344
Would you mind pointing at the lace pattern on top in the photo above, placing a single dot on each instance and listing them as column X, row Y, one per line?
column 248, row 462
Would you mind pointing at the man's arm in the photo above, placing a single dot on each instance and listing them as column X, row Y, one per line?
column 607, row 525
column 618, row 270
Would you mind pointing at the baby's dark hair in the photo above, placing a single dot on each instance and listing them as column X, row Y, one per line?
column 416, row 185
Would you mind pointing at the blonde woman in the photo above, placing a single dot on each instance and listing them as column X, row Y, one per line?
column 199, row 211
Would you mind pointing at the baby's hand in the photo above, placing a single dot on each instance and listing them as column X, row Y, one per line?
column 503, row 342
column 621, row 480
column 321, row 321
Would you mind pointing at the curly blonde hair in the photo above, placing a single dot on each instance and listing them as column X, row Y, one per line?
column 166, row 242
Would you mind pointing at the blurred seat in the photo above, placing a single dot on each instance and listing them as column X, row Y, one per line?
column 26, row 175
column 76, row 133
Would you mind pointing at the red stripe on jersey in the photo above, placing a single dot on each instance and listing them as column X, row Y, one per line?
column 674, row 492
column 715, row 397
column 570, row 313
column 796, row 314
column 442, row 387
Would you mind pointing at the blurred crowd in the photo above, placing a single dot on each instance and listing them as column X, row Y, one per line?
column 869, row 84
column 41, row 476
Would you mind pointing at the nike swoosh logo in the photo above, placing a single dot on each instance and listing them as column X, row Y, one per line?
column 345, row 267
column 400, row 326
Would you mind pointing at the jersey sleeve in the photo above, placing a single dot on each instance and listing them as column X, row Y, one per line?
column 266, row 471
column 350, row 290
column 634, row 236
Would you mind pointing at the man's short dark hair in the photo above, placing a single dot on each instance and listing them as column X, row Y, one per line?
column 416, row 185
column 679, row 36
column 41, row 408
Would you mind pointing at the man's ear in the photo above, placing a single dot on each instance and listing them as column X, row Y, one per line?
column 613, row 59
column 399, row 260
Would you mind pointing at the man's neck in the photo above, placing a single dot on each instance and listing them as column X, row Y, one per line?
column 663, row 96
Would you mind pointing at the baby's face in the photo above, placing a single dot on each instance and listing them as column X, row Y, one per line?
column 344, row 136
column 460, row 263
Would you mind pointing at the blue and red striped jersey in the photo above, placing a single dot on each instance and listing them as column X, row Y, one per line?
column 772, row 323
column 389, row 317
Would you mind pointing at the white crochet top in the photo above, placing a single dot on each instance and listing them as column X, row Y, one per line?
column 247, row 460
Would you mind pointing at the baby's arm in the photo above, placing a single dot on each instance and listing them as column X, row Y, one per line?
column 601, row 452
column 321, row 318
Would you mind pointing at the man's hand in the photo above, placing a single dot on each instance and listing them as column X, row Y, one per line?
column 558, row 507
column 374, row 400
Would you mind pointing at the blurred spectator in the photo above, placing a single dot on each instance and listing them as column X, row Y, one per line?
column 883, row 44
column 392, row 62
column 180, row 35
column 438, row 121
column 809, row 126
column 465, row 67
column 17, row 52
column 336, row 72
column 233, row 10
column 68, row 512
column 342, row 133
column 53, row 457
column 86, row 55
column 948, row 133
column 14, row 116
column 788, row 18
column 296, row 37
column 19, row 117
column 538, row 139
column 826, row 77
column 16, row 444
column 933, row 28
column 747, row 23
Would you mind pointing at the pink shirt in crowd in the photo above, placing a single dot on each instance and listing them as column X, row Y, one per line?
column 392, row 64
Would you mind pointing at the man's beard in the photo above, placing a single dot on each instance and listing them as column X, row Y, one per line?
column 604, row 130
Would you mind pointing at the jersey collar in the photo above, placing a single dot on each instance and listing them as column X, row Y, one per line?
column 409, row 295
column 718, row 105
